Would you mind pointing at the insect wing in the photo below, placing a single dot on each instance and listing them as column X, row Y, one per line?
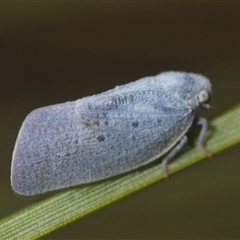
column 80, row 142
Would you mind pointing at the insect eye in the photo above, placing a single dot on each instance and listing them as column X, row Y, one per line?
column 204, row 96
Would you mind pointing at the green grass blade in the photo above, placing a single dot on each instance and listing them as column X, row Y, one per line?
column 65, row 207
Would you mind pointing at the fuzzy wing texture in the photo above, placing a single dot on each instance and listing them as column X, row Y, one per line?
column 85, row 141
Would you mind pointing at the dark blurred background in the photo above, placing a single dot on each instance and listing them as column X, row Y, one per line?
column 56, row 52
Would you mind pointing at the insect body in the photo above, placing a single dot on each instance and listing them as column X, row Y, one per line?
column 104, row 135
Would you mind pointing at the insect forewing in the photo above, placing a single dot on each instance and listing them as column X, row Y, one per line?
column 95, row 138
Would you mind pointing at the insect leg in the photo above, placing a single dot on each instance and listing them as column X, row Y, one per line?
column 172, row 154
column 202, row 122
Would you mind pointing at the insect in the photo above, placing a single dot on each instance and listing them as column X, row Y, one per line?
column 104, row 135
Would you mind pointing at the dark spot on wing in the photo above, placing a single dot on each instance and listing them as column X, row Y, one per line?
column 135, row 124
column 91, row 122
column 100, row 138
